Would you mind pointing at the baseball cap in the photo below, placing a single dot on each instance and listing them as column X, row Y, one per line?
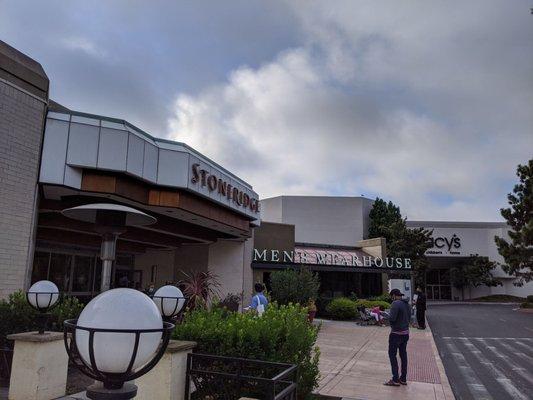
column 395, row 292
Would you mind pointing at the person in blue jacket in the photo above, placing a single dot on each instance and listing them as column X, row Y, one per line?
column 259, row 301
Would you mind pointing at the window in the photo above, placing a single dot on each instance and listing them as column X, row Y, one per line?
column 60, row 268
column 82, row 279
column 41, row 262
column 74, row 272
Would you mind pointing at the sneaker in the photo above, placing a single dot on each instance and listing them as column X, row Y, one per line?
column 403, row 382
column 391, row 383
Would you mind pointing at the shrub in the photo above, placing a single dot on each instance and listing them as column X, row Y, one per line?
column 282, row 334
column 353, row 296
column 200, row 287
column 372, row 303
column 382, row 297
column 16, row 315
column 290, row 286
column 231, row 302
column 322, row 304
column 526, row 304
column 529, row 298
column 342, row 308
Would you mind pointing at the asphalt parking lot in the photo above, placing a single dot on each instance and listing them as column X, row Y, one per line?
column 487, row 350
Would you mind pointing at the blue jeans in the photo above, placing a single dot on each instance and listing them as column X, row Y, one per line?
column 398, row 342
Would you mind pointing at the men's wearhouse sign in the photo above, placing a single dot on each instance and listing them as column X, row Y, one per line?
column 329, row 258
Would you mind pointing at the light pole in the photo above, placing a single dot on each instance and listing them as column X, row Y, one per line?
column 42, row 296
column 110, row 220
column 118, row 337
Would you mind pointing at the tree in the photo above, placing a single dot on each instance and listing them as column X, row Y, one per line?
column 475, row 271
column 290, row 286
column 518, row 254
column 382, row 216
column 386, row 221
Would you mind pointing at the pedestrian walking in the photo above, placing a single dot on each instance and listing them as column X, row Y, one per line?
column 259, row 301
column 400, row 314
column 420, row 308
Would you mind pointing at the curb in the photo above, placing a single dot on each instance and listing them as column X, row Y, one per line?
column 445, row 383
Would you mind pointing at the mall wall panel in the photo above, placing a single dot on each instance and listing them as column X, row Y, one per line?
column 82, row 150
column 112, row 149
column 135, row 159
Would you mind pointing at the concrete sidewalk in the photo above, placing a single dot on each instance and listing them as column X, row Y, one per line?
column 354, row 364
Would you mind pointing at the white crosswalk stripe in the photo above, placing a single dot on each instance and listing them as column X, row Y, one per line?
column 507, row 360
column 523, row 346
column 517, row 352
column 496, row 372
column 503, row 361
column 476, row 388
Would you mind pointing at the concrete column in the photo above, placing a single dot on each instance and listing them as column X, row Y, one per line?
column 39, row 369
column 167, row 379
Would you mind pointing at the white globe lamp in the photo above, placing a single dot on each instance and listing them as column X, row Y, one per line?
column 42, row 296
column 118, row 336
column 169, row 300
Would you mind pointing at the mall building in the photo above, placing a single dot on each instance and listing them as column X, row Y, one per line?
column 53, row 158
column 206, row 218
column 329, row 231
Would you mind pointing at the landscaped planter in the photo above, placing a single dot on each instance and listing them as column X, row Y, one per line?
column 228, row 378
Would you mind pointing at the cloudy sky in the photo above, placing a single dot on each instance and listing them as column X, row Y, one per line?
column 425, row 103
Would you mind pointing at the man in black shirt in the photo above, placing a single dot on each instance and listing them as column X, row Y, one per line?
column 420, row 308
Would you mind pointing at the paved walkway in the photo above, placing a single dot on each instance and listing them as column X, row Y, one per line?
column 354, row 364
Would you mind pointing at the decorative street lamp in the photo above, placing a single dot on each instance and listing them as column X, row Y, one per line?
column 118, row 337
column 170, row 301
column 111, row 220
column 42, row 296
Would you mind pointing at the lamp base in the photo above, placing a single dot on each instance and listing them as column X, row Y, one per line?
column 42, row 321
column 97, row 391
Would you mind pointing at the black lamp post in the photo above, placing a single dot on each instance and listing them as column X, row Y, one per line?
column 118, row 337
column 42, row 296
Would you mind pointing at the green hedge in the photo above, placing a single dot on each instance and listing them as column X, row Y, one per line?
column 342, row 308
column 16, row 315
column 372, row 303
column 383, row 297
column 526, row 304
column 529, row 298
column 282, row 334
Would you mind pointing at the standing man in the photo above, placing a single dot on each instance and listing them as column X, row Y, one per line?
column 400, row 314
column 420, row 308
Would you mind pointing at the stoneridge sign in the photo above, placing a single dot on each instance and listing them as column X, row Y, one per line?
column 224, row 188
column 332, row 258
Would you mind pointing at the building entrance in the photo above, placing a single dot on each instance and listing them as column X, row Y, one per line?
column 337, row 284
column 438, row 284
